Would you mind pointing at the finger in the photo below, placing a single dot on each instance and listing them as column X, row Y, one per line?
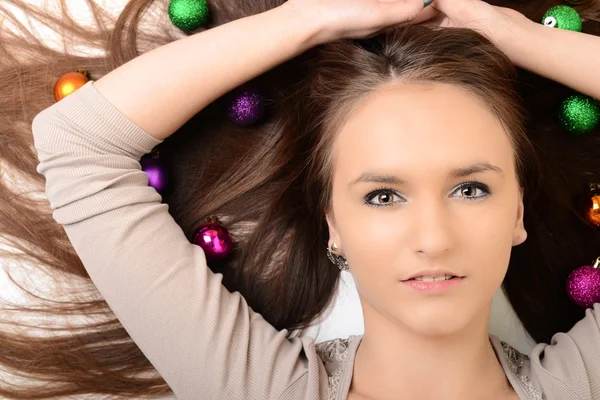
column 399, row 11
column 427, row 14
column 440, row 21
column 456, row 9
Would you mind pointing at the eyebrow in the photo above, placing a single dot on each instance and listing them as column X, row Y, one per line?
column 456, row 173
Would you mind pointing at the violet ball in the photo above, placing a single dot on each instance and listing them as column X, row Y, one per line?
column 246, row 106
column 157, row 173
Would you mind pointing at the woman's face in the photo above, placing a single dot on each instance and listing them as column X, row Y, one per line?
column 412, row 152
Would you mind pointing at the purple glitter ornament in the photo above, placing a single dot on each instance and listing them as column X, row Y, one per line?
column 246, row 106
column 214, row 239
column 157, row 173
column 583, row 285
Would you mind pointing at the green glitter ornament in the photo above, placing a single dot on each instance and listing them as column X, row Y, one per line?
column 188, row 15
column 579, row 114
column 563, row 17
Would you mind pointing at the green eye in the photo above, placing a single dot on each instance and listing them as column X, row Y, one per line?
column 563, row 17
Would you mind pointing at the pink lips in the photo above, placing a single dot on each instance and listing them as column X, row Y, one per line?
column 434, row 287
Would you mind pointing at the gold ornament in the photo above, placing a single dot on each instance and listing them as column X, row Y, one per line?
column 592, row 211
column 70, row 82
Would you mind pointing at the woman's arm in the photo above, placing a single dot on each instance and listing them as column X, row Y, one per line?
column 205, row 342
column 567, row 57
column 191, row 73
column 569, row 366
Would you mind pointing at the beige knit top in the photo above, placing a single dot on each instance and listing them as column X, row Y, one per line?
column 205, row 341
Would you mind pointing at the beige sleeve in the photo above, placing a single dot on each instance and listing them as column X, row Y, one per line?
column 204, row 341
column 569, row 367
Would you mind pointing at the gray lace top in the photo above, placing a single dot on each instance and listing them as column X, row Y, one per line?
column 338, row 357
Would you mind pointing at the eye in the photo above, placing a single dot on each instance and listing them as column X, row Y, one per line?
column 550, row 21
column 469, row 190
column 384, row 197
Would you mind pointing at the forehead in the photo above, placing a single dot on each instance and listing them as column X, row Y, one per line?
column 425, row 127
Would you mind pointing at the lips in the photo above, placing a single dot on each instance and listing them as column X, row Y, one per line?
column 434, row 287
column 445, row 277
column 433, row 275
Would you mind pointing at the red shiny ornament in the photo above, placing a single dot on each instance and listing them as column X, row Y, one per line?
column 214, row 239
column 592, row 207
column 70, row 82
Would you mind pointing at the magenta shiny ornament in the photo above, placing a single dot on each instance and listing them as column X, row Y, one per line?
column 246, row 105
column 583, row 285
column 214, row 239
column 158, row 176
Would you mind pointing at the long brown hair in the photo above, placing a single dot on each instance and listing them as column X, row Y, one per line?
column 269, row 183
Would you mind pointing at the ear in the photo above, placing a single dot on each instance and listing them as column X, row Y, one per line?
column 520, row 234
column 333, row 233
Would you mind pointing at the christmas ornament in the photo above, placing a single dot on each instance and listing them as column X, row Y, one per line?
column 579, row 114
column 563, row 17
column 70, row 82
column 583, row 285
column 592, row 205
column 214, row 239
column 158, row 176
column 188, row 15
column 246, row 105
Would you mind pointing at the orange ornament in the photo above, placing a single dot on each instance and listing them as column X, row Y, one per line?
column 70, row 82
column 592, row 212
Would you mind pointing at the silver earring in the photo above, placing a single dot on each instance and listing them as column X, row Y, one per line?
column 340, row 261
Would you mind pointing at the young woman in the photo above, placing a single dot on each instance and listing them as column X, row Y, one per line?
column 404, row 157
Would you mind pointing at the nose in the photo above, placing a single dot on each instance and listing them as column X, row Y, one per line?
column 432, row 233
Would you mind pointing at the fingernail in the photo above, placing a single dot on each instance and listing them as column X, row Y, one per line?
column 427, row 2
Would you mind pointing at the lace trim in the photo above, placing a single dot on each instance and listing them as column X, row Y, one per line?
column 515, row 362
column 336, row 350
column 331, row 351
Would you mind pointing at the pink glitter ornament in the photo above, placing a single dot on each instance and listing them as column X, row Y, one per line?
column 214, row 239
column 583, row 285
column 246, row 105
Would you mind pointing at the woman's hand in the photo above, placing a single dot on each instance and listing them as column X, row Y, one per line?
column 501, row 25
column 355, row 19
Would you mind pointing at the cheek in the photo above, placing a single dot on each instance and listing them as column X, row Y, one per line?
column 371, row 240
column 489, row 230
column 375, row 260
column 487, row 245
column 371, row 246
